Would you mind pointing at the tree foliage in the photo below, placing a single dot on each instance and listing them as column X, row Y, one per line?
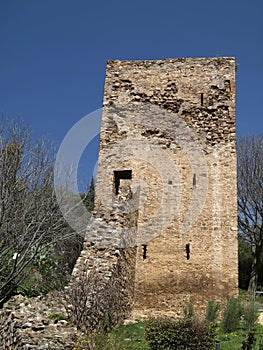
column 250, row 199
column 34, row 237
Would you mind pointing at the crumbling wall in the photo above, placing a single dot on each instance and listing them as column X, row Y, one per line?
column 101, row 290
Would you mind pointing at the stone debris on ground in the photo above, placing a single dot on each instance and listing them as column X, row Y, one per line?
column 36, row 323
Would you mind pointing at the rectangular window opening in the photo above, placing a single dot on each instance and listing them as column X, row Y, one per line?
column 144, row 254
column 187, row 249
column 121, row 175
column 202, row 99
column 228, row 85
column 194, row 180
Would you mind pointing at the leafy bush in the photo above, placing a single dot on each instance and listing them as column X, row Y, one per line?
column 250, row 315
column 231, row 316
column 260, row 343
column 191, row 334
column 249, row 342
column 212, row 311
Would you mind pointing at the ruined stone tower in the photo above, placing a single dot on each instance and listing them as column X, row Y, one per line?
column 167, row 153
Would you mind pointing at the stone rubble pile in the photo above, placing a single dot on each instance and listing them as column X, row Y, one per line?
column 36, row 323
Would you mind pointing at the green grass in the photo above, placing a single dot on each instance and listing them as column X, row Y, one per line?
column 233, row 341
column 132, row 337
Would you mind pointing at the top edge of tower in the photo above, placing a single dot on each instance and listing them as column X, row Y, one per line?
column 220, row 59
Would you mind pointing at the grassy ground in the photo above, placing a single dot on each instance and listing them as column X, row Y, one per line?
column 132, row 337
column 233, row 341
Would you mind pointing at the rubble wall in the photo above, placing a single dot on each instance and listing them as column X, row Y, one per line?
column 101, row 291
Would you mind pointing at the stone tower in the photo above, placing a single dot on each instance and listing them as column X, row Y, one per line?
column 168, row 131
column 164, row 229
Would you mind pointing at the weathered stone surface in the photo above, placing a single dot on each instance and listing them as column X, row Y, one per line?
column 172, row 124
column 28, row 324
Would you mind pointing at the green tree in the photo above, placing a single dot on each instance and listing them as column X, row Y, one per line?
column 250, row 200
column 88, row 198
column 244, row 263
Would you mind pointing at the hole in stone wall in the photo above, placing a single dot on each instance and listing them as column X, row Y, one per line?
column 121, row 175
column 144, row 253
column 202, row 99
column 187, row 249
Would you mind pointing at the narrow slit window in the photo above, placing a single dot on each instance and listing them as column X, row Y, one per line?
column 121, row 175
column 144, row 252
column 194, row 180
column 202, row 99
column 187, row 250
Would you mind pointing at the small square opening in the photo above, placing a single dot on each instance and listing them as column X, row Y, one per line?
column 121, row 175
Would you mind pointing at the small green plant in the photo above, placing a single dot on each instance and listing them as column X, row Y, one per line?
column 219, row 60
column 212, row 311
column 260, row 343
column 57, row 317
column 250, row 315
column 231, row 316
column 189, row 310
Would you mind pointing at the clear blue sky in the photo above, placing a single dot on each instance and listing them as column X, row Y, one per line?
column 53, row 53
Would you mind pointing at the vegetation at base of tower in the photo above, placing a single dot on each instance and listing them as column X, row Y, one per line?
column 248, row 344
column 189, row 310
column 250, row 201
column 212, row 311
column 166, row 333
column 122, row 338
column 103, row 304
column 187, row 333
column 232, row 315
column 250, row 315
column 38, row 249
column 133, row 337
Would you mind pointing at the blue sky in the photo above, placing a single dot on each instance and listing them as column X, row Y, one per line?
column 53, row 53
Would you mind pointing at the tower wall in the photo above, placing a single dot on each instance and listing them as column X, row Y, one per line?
column 168, row 128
